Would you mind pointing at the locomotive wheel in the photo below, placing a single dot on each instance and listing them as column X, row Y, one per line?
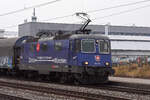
column 87, row 79
column 76, row 82
column 62, row 81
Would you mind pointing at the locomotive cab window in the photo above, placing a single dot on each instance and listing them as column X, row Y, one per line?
column 58, row 46
column 88, row 46
column 104, row 46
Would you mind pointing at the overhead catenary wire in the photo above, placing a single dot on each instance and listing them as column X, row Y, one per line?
column 98, row 10
column 114, row 14
column 93, row 11
column 118, row 6
column 31, row 7
column 122, row 12
column 12, row 26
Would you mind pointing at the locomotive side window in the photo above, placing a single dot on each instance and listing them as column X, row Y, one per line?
column 77, row 45
column 88, row 46
column 44, row 47
column 32, row 47
column 58, row 46
column 104, row 46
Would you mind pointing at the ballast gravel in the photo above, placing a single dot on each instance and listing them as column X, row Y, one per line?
column 76, row 88
column 32, row 95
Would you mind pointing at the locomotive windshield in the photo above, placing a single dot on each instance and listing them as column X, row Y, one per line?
column 88, row 46
column 104, row 46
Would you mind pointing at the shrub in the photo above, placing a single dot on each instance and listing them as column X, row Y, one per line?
column 132, row 71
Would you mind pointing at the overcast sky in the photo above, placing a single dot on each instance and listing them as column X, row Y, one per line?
column 139, row 17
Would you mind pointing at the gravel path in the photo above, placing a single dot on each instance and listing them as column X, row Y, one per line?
column 130, row 80
column 79, row 89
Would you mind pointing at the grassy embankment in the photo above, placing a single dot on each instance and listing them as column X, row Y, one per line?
column 132, row 71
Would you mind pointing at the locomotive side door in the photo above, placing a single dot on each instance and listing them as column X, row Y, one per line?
column 70, row 51
column 73, row 50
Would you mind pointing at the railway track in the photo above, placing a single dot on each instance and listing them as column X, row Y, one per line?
column 10, row 97
column 125, row 89
column 122, row 88
column 69, row 93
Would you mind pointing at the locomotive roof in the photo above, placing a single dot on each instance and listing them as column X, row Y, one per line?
column 8, row 42
column 75, row 36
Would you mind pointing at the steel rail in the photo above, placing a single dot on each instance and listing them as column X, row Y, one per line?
column 120, row 88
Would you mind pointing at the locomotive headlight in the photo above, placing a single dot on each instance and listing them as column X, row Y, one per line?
column 107, row 63
column 86, row 63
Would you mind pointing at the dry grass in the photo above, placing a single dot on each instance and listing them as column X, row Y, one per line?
column 132, row 71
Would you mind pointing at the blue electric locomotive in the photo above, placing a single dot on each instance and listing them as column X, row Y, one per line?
column 77, row 56
column 85, row 58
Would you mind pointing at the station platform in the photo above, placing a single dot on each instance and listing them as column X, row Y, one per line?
column 130, row 80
